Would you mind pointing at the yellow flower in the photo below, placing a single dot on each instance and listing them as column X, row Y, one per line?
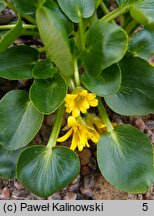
column 82, row 131
column 79, row 101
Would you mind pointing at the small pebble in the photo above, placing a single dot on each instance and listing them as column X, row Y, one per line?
column 50, row 120
column 35, row 197
column 55, row 196
column 139, row 123
column 76, row 180
column 6, row 193
column 85, row 170
column 18, row 185
column 140, row 197
column 152, row 138
column 92, row 163
column 150, row 123
column 73, row 187
column 70, row 196
column 86, row 191
column 85, row 156
column 18, row 194
column 149, row 133
column 89, row 181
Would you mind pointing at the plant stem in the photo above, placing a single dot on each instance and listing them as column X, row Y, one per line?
column 104, row 8
column 30, row 32
column 131, row 26
column 71, row 84
column 81, row 35
column 56, row 128
column 25, row 26
column 104, row 116
column 114, row 14
column 76, row 73
column 26, row 16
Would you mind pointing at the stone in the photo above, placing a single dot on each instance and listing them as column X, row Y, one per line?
column 73, row 187
column 18, row 186
column 140, row 124
column 55, row 196
column 85, row 170
column 70, row 196
column 89, row 181
column 86, row 191
column 6, row 193
column 93, row 163
column 85, row 156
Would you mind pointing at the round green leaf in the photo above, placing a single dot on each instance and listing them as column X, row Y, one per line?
column 106, row 83
column 143, row 12
column 125, row 2
column 109, row 48
column 43, row 69
column 11, row 36
column 26, row 6
column 125, row 159
column 136, row 94
column 20, row 121
column 64, row 19
column 55, row 39
column 75, row 9
column 2, row 5
column 44, row 171
column 48, row 95
column 16, row 63
column 142, row 44
column 8, row 160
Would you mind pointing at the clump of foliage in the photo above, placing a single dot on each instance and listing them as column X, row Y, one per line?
column 92, row 55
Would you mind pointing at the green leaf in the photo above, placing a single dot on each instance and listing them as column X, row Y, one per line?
column 8, row 161
column 20, row 121
column 109, row 48
column 107, row 83
column 64, row 19
column 143, row 12
column 2, row 5
column 136, row 94
column 48, row 95
column 55, row 39
column 44, row 171
column 11, row 36
column 142, row 44
column 17, row 62
column 75, row 9
column 43, row 69
column 125, row 2
column 125, row 159
column 26, row 6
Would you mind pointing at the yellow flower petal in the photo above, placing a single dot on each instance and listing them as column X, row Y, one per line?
column 75, row 142
column 66, row 136
column 71, row 121
column 93, row 103
column 91, row 96
column 76, row 112
column 79, row 101
column 83, row 93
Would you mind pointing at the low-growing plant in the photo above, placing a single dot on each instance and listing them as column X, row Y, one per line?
column 91, row 56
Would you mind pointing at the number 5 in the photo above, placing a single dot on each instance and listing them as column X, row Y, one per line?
column 145, row 207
